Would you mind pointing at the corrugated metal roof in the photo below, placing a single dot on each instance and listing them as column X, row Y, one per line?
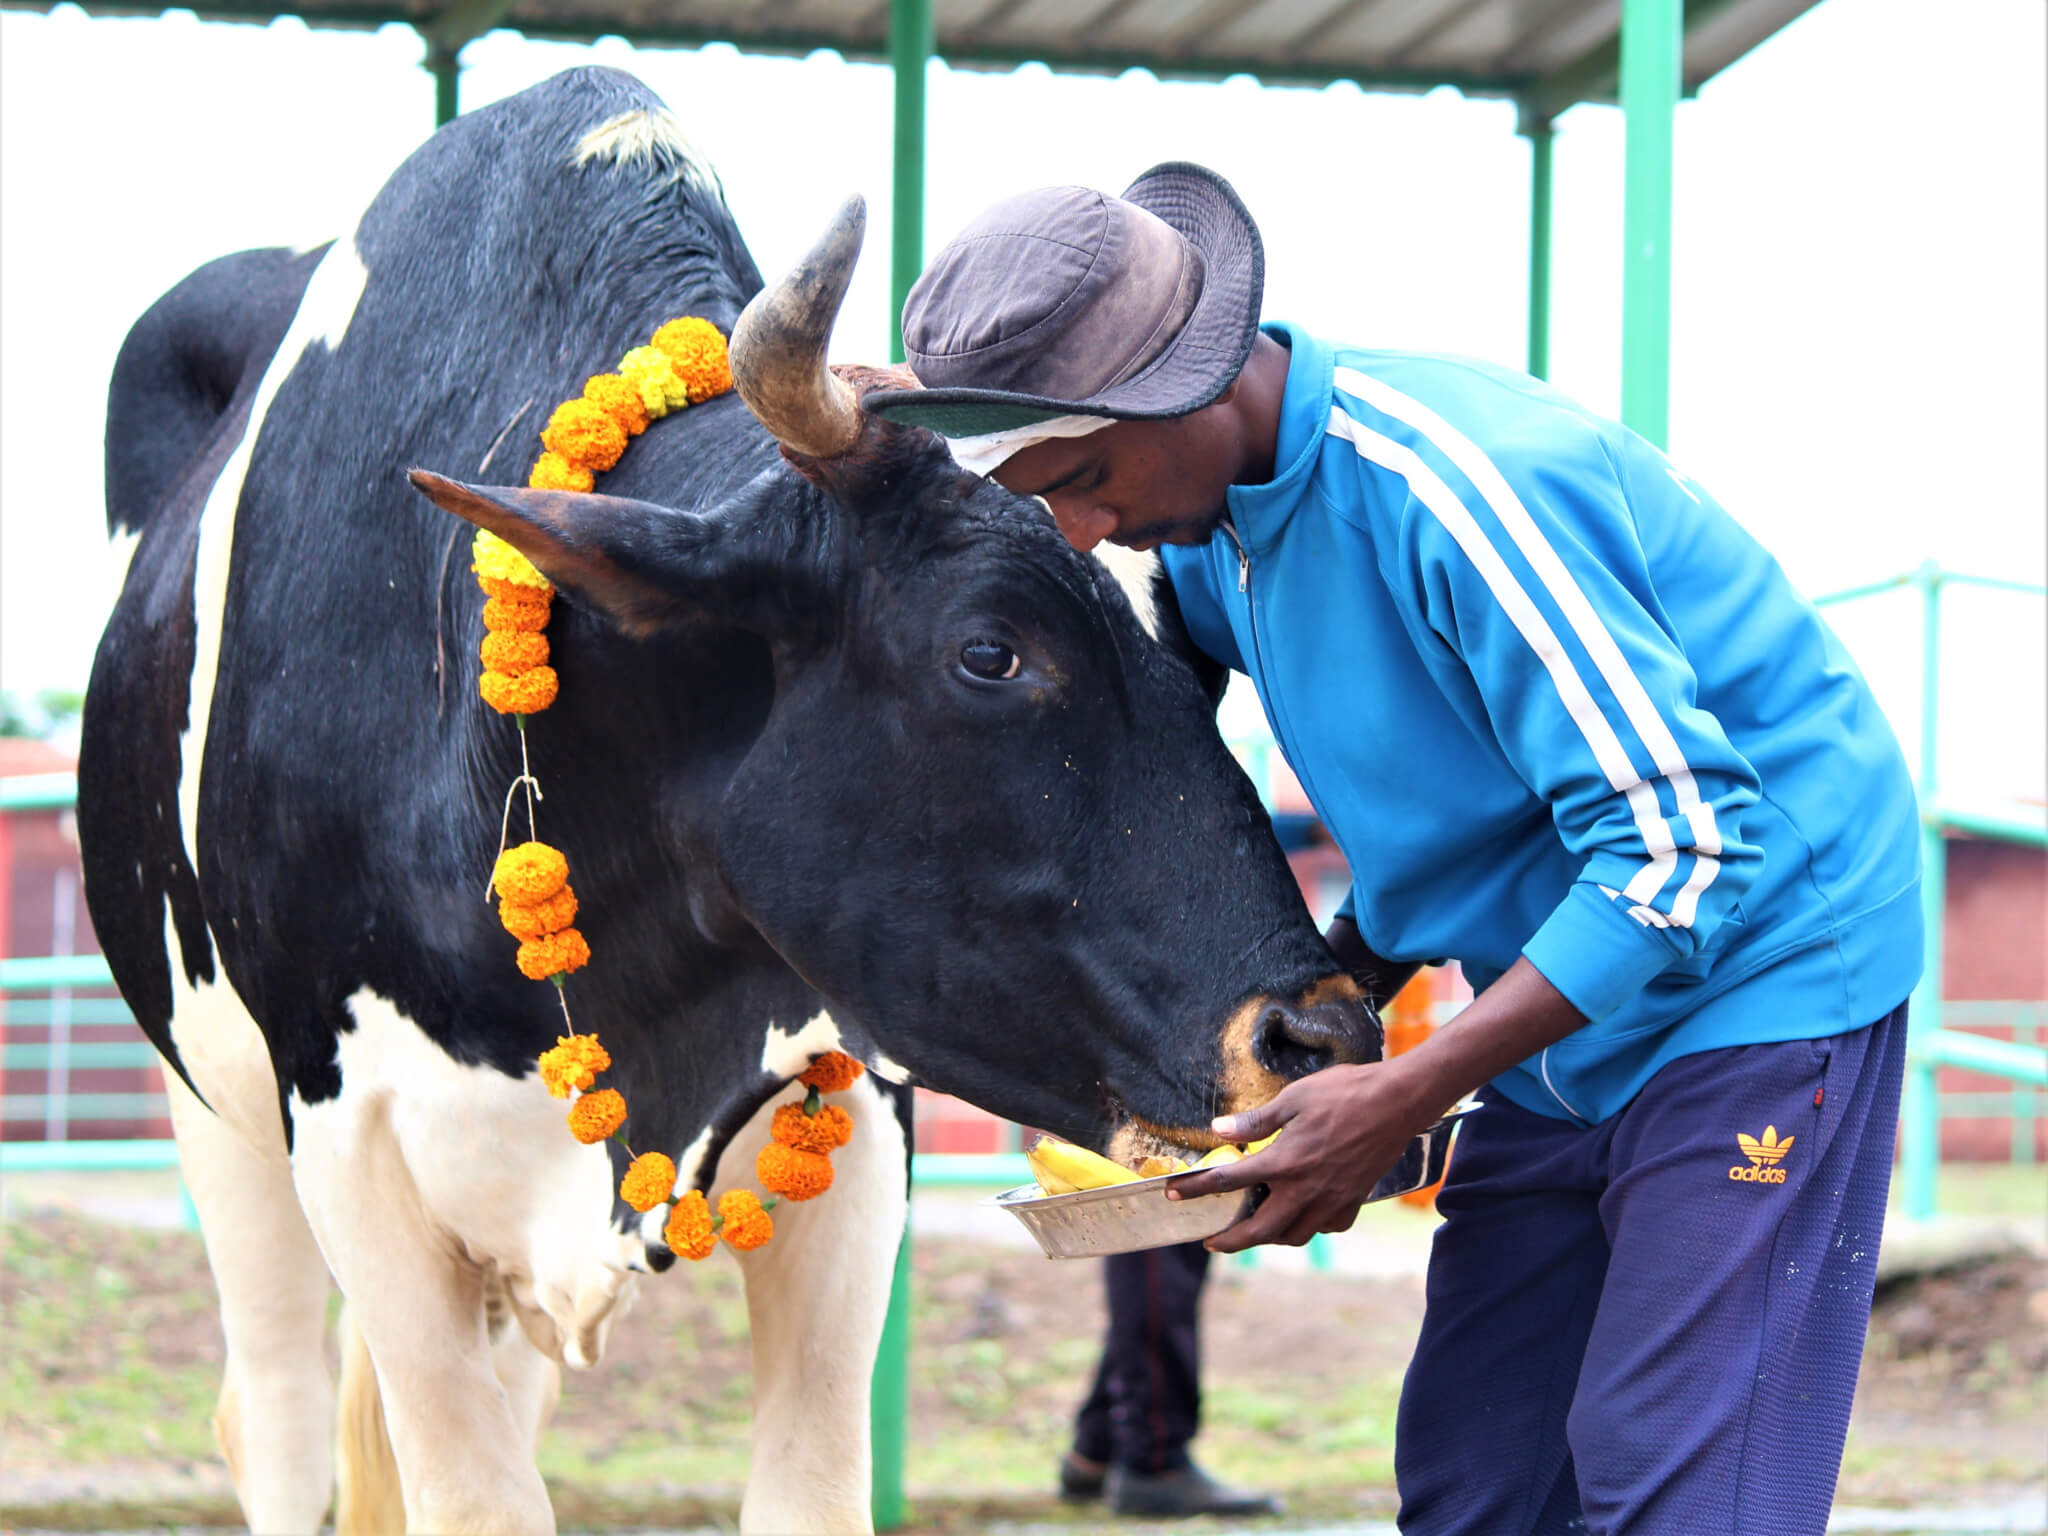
column 1549, row 52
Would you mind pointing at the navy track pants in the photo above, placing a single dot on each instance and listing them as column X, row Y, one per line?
column 1653, row 1326
column 1146, row 1401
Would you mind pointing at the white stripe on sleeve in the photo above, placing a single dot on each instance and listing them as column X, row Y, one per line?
column 1429, row 489
column 1614, row 669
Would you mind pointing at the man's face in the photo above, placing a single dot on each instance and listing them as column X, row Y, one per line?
column 1136, row 483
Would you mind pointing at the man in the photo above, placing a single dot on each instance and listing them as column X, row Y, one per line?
column 1570, row 725
column 1143, row 1408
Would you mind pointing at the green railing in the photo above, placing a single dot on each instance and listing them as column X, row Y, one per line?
column 1930, row 1043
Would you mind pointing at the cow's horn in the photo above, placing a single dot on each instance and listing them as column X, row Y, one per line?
column 778, row 346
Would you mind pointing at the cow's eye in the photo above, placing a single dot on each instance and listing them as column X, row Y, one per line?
column 990, row 659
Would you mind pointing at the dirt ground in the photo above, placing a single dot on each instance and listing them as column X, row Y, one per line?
column 111, row 1351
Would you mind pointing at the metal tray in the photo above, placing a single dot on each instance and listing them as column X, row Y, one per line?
column 1124, row 1218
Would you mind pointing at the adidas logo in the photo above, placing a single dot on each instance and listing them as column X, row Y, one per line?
column 1764, row 1154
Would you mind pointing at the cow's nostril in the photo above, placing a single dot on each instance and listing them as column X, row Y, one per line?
column 1293, row 1043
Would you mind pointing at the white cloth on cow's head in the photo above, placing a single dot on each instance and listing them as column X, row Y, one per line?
column 983, row 455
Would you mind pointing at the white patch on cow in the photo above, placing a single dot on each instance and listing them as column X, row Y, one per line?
column 485, row 1159
column 120, row 551
column 647, row 135
column 816, row 1298
column 323, row 316
column 223, row 1051
column 690, row 1161
column 1137, row 572
column 785, row 1053
column 889, row 1070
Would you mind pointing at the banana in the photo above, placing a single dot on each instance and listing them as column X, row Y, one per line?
column 1218, row 1155
column 1155, row 1167
column 1062, row 1168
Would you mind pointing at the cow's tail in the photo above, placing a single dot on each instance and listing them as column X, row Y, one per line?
column 368, row 1500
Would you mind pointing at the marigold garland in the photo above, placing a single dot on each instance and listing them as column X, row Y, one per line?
column 596, row 1115
column 744, row 1223
column 649, row 1181
column 689, row 1233
column 793, row 1173
column 685, row 363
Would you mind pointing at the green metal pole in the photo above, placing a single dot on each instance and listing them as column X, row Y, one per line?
column 889, row 1397
column 910, row 51
column 1538, row 130
column 445, row 65
column 911, row 38
column 1919, row 1113
column 1652, row 34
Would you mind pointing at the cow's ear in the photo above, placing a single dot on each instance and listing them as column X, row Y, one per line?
column 645, row 567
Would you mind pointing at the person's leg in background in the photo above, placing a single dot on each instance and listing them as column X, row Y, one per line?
column 1131, row 1435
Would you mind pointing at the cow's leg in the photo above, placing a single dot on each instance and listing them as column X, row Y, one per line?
column 464, row 1459
column 816, row 1297
column 276, row 1399
column 532, row 1382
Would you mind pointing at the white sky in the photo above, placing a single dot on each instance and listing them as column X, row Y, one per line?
column 1859, row 347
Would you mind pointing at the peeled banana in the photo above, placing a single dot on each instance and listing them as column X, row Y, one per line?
column 1064, row 1169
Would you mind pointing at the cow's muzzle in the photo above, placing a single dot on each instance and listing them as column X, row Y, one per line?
column 1270, row 1041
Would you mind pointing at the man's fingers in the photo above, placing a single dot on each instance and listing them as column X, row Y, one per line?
column 1242, row 1174
column 1274, row 1216
column 1257, row 1124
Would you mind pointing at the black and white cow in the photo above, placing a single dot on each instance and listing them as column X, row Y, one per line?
column 852, row 751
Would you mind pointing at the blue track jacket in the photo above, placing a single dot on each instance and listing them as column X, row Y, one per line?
column 1550, row 699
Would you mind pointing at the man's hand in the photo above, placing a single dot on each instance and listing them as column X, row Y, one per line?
column 1346, row 1126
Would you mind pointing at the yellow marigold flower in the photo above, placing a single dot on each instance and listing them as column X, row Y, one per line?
column 583, row 432
column 746, row 1224
column 597, row 1115
column 697, row 353
column 688, row 1232
column 504, row 614
column 574, row 1062
column 529, row 872
column 650, row 1180
column 831, row 1072
column 621, row 401
column 513, row 651
column 528, row 693
column 786, row 1171
column 531, row 919
column 553, row 954
column 649, row 371
column 494, row 560
column 552, row 472
column 831, row 1127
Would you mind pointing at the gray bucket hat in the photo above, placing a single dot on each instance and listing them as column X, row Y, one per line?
column 1068, row 302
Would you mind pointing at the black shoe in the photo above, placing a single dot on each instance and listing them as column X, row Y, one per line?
column 1187, row 1490
column 1078, row 1484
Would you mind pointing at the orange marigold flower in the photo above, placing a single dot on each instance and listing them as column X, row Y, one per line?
column 621, row 401
column 688, row 1232
column 583, row 432
column 697, row 353
column 514, row 651
column 831, row 1072
column 529, row 872
column 597, row 1115
column 787, row 1171
column 531, row 919
column 527, row 693
column 829, row 1128
column 746, row 1224
column 552, row 954
column 650, row 1180
column 513, row 592
column 552, row 472
column 649, row 371
column 574, row 1062
column 503, row 615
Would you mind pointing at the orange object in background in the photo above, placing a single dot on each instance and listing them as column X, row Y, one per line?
column 1410, row 1019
